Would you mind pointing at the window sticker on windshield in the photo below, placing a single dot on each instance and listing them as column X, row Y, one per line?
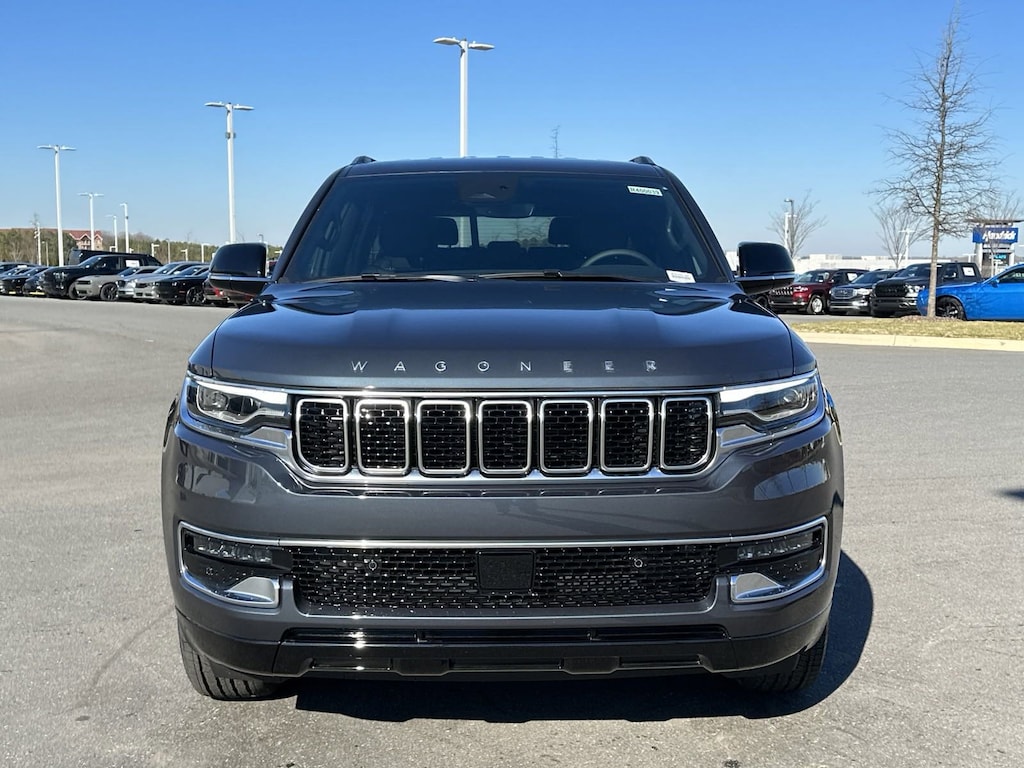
column 680, row 277
column 644, row 190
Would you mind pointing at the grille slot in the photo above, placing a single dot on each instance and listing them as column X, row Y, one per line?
column 504, row 437
column 382, row 436
column 566, row 436
column 331, row 580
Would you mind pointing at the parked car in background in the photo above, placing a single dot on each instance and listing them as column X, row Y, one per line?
column 185, row 287
column 57, row 281
column 141, row 288
column 1001, row 297
column 897, row 295
column 853, row 298
column 810, row 291
column 7, row 266
column 12, row 282
column 104, row 287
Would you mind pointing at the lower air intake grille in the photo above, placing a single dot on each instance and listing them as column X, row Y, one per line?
column 342, row 581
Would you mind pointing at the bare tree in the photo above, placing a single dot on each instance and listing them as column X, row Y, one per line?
column 900, row 228
column 945, row 158
column 1004, row 207
column 795, row 222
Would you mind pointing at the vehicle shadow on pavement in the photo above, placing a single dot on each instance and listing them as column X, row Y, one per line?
column 634, row 699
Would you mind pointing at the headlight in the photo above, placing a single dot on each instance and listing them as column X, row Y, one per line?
column 861, row 291
column 233, row 405
column 913, row 290
column 773, row 406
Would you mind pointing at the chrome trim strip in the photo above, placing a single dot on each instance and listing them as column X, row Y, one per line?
column 510, row 544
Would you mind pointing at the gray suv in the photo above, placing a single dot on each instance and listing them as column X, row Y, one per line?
column 501, row 416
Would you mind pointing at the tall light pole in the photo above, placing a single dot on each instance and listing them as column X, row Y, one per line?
column 127, row 245
column 114, row 217
column 92, row 220
column 39, row 244
column 464, row 48
column 57, row 149
column 906, row 248
column 790, row 216
column 230, row 134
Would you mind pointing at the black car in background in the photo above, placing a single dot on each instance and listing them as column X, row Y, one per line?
column 185, row 287
column 56, row 282
column 12, row 282
column 852, row 298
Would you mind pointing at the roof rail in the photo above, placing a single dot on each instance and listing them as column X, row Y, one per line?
column 643, row 159
column 361, row 159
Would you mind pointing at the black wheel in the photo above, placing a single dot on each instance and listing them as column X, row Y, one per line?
column 108, row 292
column 200, row 673
column 194, row 297
column 949, row 307
column 816, row 305
column 808, row 665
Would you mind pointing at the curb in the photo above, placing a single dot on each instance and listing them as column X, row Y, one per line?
column 922, row 342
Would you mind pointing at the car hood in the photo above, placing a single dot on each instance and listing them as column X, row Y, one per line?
column 501, row 334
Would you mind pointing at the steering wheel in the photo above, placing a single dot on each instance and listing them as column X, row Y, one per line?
column 612, row 252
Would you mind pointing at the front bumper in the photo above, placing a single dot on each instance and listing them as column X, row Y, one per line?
column 902, row 305
column 755, row 492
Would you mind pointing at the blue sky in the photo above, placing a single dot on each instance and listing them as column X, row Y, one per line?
column 748, row 101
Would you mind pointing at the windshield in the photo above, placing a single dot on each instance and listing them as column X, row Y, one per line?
column 502, row 223
column 812, row 277
column 870, row 278
column 915, row 270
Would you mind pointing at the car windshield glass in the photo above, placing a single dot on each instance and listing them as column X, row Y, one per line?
column 89, row 262
column 870, row 278
column 481, row 223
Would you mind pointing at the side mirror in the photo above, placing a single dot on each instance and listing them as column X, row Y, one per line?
column 239, row 268
column 763, row 266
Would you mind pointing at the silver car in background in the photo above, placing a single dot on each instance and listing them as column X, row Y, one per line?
column 105, row 287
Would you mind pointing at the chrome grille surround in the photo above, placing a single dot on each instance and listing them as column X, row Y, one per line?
column 609, row 434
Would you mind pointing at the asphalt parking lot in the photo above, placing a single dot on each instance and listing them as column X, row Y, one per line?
column 926, row 643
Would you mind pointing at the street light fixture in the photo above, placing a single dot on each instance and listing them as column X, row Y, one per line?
column 114, row 217
column 57, row 149
column 790, row 217
column 127, row 245
column 92, row 220
column 464, row 47
column 230, row 135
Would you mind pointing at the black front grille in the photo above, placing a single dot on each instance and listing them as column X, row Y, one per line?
column 890, row 290
column 504, row 437
column 330, row 580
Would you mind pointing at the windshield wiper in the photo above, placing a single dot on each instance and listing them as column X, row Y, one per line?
column 388, row 277
column 557, row 274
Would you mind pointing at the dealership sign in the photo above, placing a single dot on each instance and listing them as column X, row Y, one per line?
column 995, row 235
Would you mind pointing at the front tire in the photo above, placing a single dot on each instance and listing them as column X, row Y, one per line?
column 951, row 308
column 808, row 665
column 199, row 670
column 108, row 292
column 816, row 305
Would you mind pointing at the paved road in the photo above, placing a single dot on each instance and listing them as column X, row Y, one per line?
column 927, row 641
